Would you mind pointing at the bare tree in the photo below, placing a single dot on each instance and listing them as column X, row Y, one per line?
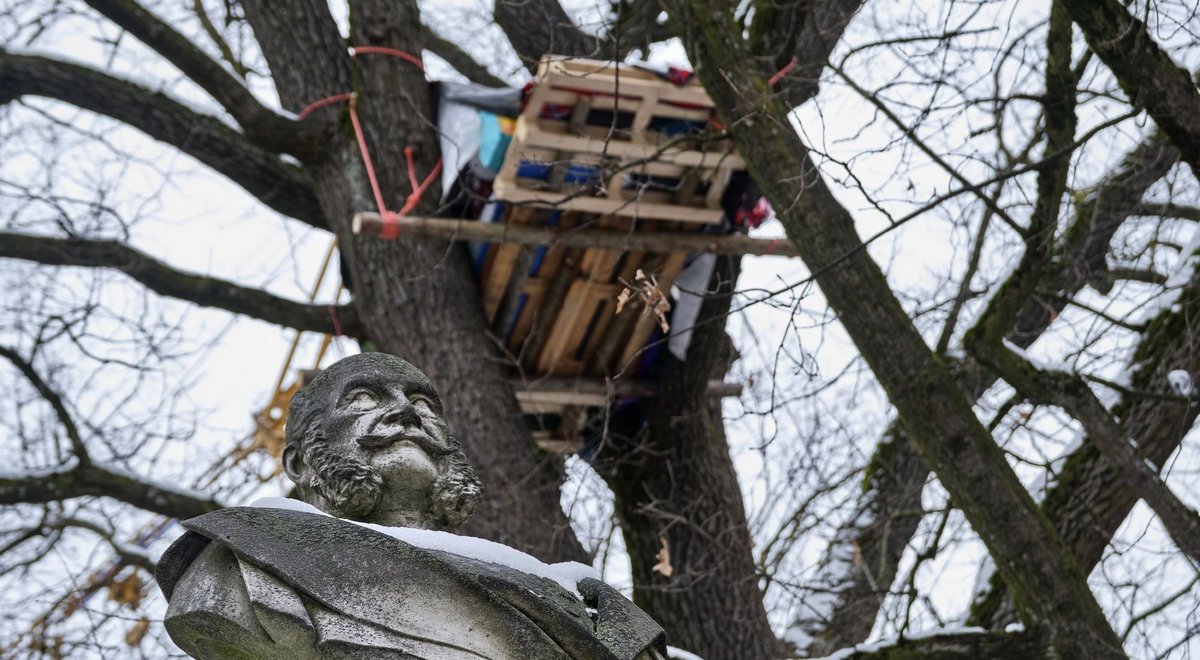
column 1011, row 124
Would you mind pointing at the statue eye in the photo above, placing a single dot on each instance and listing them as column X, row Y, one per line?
column 361, row 399
column 421, row 401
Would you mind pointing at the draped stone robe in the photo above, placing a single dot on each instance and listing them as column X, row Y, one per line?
column 277, row 583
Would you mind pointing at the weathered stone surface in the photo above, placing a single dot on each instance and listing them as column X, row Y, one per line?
column 366, row 441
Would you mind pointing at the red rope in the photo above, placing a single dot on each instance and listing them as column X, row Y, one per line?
column 328, row 100
column 366, row 156
column 782, row 72
column 337, row 324
column 390, row 227
column 381, row 50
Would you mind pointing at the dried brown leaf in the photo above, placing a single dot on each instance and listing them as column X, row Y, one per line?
column 663, row 567
column 135, row 634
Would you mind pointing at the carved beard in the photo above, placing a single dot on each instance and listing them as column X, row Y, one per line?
column 456, row 490
column 351, row 489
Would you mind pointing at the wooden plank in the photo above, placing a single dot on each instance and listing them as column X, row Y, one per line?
column 582, row 316
column 650, row 240
column 616, row 336
column 497, row 276
column 567, row 326
column 556, row 445
column 717, row 186
column 527, row 133
column 535, row 292
column 598, row 328
column 512, row 192
column 641, row 119
column 627, row 81
column 546, row 315
column 504, row 317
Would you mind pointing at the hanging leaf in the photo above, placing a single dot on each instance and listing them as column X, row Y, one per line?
column 653, row 300
column 135, row 634
column 127, row 591
column 663, row 567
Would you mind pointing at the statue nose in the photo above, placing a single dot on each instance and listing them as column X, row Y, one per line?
column 401, row 413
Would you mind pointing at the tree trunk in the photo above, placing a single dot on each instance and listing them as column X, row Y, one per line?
column 417, row 299
column 677, row 493
column 1050, row 588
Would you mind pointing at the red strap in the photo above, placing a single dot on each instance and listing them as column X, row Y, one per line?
column 337, row 324
column 328, row 100
column 390, row 228
column 782, row 72
column 394, row 52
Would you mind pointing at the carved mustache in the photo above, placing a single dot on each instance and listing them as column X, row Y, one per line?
column 375, row 442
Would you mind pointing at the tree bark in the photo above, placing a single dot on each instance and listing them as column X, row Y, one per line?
column 1050, row 587
column 677, row 494
column 1090, row 498
column 417, row 299
column 896, row 474
column 189, row 287
column 1146, row 73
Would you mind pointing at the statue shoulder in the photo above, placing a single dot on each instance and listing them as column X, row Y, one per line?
column 221, row 607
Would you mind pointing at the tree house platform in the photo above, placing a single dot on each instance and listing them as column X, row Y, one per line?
column 597, row 137
column 612, row 181
column 616, row 151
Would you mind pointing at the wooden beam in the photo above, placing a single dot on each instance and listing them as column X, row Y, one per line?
column 656, row 242
column 594, row 392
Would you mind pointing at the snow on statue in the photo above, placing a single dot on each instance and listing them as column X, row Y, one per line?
column 366, row 441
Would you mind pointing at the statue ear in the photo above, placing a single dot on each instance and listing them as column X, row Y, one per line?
column 294, row 465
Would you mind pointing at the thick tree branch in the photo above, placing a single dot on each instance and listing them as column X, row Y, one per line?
column 803, row 32
column 1146, row 73
column 280, row 186
column 1071, row 393
column 1051, row 589
column 1091, row 497
column 541, row 27
column 199, row 289
column 91, row 480
column 1170, row 210
column 891, row 502
column 263, row 126
column 458, row 58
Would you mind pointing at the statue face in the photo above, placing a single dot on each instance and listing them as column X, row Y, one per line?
column 373, row 446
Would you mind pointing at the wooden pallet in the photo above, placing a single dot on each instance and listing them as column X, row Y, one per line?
column 555, row 307
column 599, row 148
column 615, row 140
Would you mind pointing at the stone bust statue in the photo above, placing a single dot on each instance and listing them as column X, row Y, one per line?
column 350, row 572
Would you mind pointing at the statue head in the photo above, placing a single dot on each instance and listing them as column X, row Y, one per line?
column 366, row 440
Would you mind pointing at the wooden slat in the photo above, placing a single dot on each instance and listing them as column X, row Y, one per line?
column 545, row 315
column 510, row 191
column 504, row 263
column 602, row 78
column 656, row 241
column 567, row 327
column 527, row 133
column 616, row 338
